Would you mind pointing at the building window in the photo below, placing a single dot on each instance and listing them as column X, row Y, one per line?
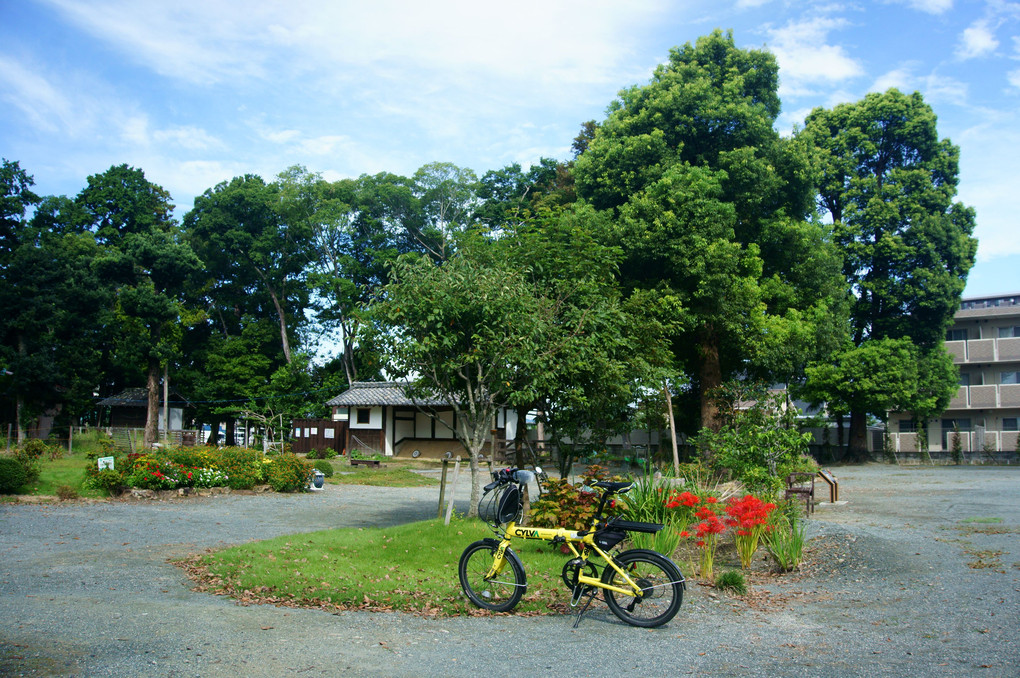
column 956, row 335
column 364, row 415
column 1009, row 377
column 908, row 426
column 1009, row 423
column 964, row 378
column 1009, row 332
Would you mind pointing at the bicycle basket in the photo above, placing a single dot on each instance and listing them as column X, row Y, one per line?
column 501, row 504
column 608, row 538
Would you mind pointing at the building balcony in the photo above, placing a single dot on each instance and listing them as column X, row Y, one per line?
column 986, row 397
column 984, row 350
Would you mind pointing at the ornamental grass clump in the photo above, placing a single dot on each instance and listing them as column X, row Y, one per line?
column 748, row 517
column 653, row 500
column 784, row 541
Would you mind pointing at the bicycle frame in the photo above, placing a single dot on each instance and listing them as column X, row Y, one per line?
column 563, row 536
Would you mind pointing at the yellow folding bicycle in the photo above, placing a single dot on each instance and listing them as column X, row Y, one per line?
column 641, row 587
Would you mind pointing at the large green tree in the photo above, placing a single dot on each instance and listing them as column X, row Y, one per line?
column 147, row 261
column 256, row 241
column 888, row 182
column 712, row 207
column 456, row 331
column 52, row 306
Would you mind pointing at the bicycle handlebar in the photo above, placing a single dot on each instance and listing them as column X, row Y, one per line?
column 509, row 475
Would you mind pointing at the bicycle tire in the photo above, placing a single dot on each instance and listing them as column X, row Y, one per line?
column 499, row 595
column 661, row 583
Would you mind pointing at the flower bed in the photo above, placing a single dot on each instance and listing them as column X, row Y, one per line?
column 176, row 468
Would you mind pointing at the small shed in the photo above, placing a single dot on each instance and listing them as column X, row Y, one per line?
column 128, row 409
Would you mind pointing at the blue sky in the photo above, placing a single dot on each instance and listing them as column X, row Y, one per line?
column 197, row 92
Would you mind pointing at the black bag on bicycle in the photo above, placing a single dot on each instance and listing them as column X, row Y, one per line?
column 501, row 504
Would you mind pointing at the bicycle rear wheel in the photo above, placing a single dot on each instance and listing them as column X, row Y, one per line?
column 662, row 588
column 502, row 592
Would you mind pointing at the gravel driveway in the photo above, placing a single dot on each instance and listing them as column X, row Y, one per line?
column 918, row 574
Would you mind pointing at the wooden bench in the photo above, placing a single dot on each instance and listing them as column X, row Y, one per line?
column 801, row 485
column 365, row 462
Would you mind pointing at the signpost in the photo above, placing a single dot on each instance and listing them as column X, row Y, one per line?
column 833, row 484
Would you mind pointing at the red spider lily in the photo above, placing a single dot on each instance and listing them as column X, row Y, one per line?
column 748, row 516
column 683, row 499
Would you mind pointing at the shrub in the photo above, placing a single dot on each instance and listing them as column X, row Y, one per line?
column 106, row 480
column 324, row 453
column 754, row 443
column 566, row 505
column 288, row 473
column 243, row 467
column 325, row 467
column 30, row 457
column 192, row 457
column 34, row 449
column 66, row 493
column 732, row 580
column 12, row 475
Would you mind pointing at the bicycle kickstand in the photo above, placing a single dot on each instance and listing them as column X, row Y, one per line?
column 580, row 591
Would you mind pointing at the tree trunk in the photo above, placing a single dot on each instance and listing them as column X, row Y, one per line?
column 20, row 400
column 230, row 439
column 709, row 377
column 839, row 433
column 520, row 440
column 672, row 429
column 152, row 408
column 857, row 450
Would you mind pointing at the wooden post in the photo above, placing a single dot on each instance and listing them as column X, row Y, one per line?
column 70, row 439
column 453, row 492
column 442, row 488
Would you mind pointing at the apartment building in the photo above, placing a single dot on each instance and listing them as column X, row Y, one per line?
column 984, row 341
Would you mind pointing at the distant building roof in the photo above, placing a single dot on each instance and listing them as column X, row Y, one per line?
column 372, row 393
column 139, row 397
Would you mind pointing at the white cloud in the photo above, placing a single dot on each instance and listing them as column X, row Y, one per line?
column 188, row 137
column 205, row 42
column 977, row 40
column 930, row 6
column 901, row 78
column 805, row 58
column 44, row 104
column 1014, row 78
column 945, row 89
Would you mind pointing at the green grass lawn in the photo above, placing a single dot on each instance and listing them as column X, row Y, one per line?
column 389, row 477
column 66, row 471
column 410, row 567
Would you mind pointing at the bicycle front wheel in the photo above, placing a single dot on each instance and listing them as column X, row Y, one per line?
column 502, row 592
column 661, row 583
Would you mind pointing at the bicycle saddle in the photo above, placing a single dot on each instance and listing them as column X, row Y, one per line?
column 619, row 488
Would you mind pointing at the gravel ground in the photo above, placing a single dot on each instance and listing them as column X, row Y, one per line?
column 917, row 574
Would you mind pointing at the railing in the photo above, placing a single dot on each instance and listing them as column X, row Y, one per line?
column 986, row 397
column 971, row 442
column 1006, row 349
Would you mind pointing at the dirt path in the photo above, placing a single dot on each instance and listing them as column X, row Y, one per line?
column 916, row 575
